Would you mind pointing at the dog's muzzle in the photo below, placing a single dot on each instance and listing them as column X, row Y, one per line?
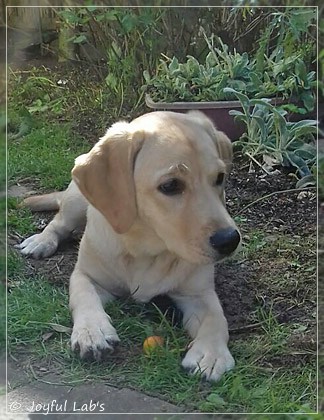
column 225, row 241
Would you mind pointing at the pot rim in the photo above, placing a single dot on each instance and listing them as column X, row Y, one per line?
column 198, row 105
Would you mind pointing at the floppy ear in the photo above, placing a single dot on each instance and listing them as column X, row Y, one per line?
column 105, row 176
column 225, row 149
column 222, row 142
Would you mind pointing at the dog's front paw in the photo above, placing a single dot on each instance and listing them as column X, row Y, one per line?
column 94, row 338
column 38, row 246
column 210, row 361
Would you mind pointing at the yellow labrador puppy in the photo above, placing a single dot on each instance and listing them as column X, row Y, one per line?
column 150, row 194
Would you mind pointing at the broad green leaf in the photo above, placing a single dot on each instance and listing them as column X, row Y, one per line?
column 298, row 163
column 146, row 76
column 111, row 15
column 306, row 181
column 302, row 128
column 111, row 81
column 308, row 100
column 263, row 102
column 128, row 23
column 302, row 123
column 79, row 39
column 70, row 16
column 302, row 18
column 210, row 60
column 238, row 85
column 300, row 69
column 245, row 102
column 174, row 65
column 260, row 123
column 235, row 112
column 91, row 8
column 100, row 17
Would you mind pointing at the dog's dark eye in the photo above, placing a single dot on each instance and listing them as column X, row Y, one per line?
column 172, row 187
column 219, row 180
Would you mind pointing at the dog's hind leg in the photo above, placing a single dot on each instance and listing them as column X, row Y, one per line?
column 46, row 202
column 71, row 216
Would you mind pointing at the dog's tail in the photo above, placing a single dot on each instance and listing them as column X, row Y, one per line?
column 46, row 202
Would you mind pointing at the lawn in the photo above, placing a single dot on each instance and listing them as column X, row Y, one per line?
column 268, row 290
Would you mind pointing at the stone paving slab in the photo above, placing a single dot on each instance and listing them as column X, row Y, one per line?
column 29, row 399
column 83, row 399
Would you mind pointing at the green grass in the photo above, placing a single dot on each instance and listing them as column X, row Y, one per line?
column 253, row 242
column 39, row 321
column 36, row 309
column 20, row 219
column 27, row 317
column 45, row 157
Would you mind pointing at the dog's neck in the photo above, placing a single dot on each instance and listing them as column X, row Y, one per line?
column 142, row 241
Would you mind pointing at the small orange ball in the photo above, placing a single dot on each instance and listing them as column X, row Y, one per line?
column 151, row 343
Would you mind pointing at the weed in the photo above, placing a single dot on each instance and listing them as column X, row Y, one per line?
column 252, row 243
column 40, row 94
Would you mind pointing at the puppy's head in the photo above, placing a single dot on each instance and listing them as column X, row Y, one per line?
column 161, row 178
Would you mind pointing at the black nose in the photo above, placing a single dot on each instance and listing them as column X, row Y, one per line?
column 225, row 241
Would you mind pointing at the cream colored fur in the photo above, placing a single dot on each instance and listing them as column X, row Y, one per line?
column 139, row 241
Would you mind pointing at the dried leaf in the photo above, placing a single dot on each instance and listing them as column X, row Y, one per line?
column 60, row 328
column 47, row 336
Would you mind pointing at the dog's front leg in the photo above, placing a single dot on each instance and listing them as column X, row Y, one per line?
column 71, row 217
column 93, row 335
column 204, row 320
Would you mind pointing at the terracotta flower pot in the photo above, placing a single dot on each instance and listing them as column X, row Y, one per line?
column 217, row 111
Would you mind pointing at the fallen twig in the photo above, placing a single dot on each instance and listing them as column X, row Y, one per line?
column 246, row 327
column 258, row 163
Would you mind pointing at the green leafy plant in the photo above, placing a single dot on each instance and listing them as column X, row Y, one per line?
column 192, row 81
column 283, row 60
column 280, row 68
column 269, row 134
column 40, row 94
